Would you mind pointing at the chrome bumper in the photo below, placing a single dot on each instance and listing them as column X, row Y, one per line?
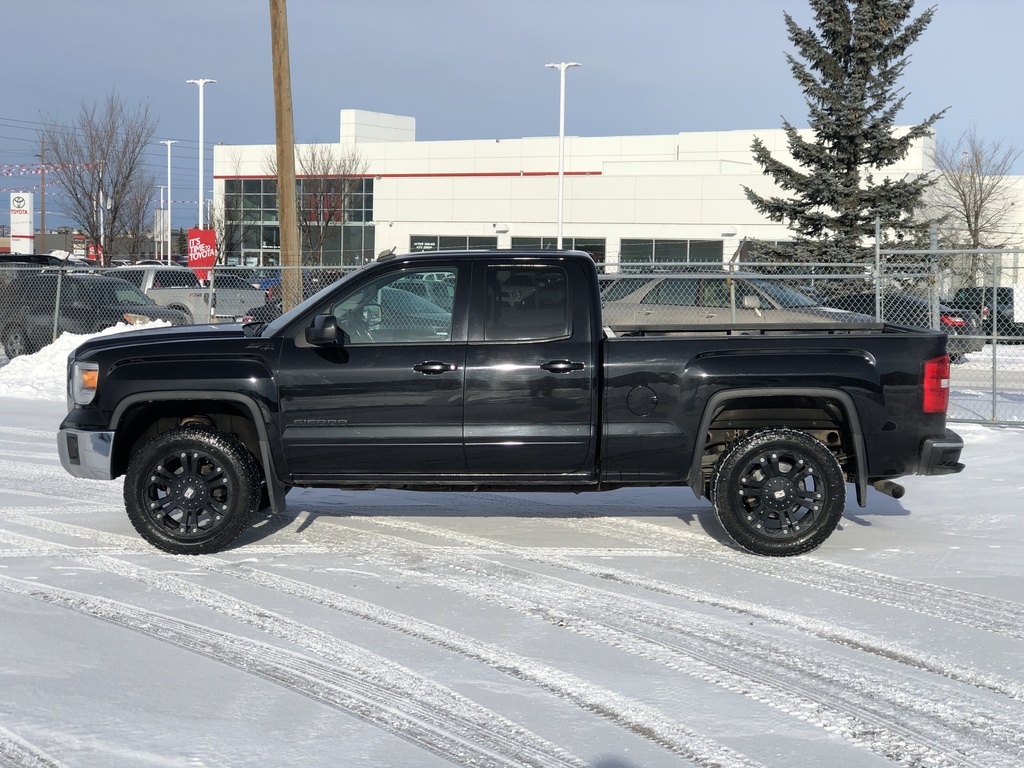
column 86, row 453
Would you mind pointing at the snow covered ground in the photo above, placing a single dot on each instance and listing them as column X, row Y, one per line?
column 613, row 630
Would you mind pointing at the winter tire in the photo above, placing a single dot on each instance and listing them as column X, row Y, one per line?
column 15, row 342
column 185, row 311
column 192, row 490
column 778, row 492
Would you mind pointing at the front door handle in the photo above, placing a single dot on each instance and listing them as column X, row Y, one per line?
column 562, row 366
column 432, row 367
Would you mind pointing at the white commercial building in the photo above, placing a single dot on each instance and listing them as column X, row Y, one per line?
column 668, row 198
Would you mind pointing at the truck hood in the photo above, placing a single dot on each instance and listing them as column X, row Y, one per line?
column 174, row 333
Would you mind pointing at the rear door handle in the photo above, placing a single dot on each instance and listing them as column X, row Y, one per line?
column 433, row 367
column 562, row 366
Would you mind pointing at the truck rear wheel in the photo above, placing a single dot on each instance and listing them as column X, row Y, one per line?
column 192, row 490
column 778, row 492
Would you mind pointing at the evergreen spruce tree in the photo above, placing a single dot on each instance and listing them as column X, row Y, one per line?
column 851, row 61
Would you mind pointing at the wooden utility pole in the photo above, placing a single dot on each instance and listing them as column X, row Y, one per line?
column 291, row 280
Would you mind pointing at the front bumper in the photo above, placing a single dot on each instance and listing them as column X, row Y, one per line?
column 941, row 455
column 86, row 453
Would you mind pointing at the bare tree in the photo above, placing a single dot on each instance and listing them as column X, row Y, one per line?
column 329, row 176
column 974, row 199
column 137, row 217
column 100, row 164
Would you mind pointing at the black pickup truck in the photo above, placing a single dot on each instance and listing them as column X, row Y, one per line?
column 492, row 371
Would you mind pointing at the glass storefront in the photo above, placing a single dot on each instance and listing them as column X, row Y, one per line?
column 334, row 226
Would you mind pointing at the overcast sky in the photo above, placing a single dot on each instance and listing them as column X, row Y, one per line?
column 465, row 69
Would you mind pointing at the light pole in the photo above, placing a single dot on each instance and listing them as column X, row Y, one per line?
column 168, row 142
column 201, row 82
column 561, row 67
column 158, row 243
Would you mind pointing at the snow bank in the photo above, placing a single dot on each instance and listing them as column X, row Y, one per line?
column 42, row 376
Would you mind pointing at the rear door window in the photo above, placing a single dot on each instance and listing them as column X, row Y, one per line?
column 525, row 303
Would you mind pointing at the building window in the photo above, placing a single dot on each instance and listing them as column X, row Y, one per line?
column 652, row 251
column 595, row 246
column 334, row 224
column 450, row 243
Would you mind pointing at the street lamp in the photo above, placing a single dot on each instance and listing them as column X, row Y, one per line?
column 168, row 142
column 561, row 137
column 158, row 244
column 201, row 82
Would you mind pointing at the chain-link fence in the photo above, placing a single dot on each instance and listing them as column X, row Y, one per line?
column 39, row 302
column 976, row 297
column 970, row 296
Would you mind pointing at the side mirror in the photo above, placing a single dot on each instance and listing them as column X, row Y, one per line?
column 751, row 302
column 372, row 315
column 323, row 332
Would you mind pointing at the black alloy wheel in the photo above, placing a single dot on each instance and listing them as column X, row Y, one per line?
column 778, row 492
column 192, row 490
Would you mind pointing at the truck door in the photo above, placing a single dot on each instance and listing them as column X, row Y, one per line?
column 389, row 400
column 530, row 405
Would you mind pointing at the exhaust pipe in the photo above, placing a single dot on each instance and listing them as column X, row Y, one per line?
column 889, row 488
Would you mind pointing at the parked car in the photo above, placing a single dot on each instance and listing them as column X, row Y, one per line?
column 14, row 264
column 439, row 292
column 980, row 299
column 709, row 299
column 226, row 299
column 233, row 294
column 313, row 280
column 265, row 279
column 962, row 326
column 171, row 286
column 88, row 303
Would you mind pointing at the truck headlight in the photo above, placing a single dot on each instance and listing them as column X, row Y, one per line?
column 84, row 378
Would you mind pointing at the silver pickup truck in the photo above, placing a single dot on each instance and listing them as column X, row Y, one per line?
column 226, row 299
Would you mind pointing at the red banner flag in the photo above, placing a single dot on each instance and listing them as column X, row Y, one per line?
column 202, row 251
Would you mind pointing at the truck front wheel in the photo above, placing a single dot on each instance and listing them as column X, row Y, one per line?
column 778, row 492
column 192, row 490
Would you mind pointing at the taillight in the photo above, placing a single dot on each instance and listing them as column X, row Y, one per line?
column 952, row 320
column 935, row 385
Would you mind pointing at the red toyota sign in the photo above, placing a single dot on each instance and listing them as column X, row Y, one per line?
column 202, row 251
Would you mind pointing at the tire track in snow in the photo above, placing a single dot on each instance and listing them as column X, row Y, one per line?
column 568, row 558
column 821, row 686
column 21, row 452
column 540, row 555
column 628, row 713
column 823, row 629
column 969, row 609
column 1003, row 617
column 353, row 680
column 15, row 752
column 41, row 434
column 51, row 481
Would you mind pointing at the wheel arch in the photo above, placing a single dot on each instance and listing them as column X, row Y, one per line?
column 760, row 403
column 185, row 310
column 139, row 417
